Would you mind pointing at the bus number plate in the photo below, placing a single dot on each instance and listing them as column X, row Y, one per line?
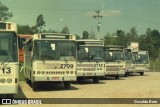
column 55, row 78
column 89, row 74
column 5, row 70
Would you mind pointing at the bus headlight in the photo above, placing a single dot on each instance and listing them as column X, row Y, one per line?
column 71, row 72
column 38, row 72
column 9, row 80
column 2, row 80
column 43, row 72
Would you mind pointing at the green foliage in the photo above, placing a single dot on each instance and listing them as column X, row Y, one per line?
column 40, row 22
column 65, row 30
column 149, row 41
column 85, row 35
column 26, row 29
column 4, row 14
column 77, row 36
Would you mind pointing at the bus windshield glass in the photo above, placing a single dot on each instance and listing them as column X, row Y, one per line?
column 128, row 56
column 8, row 47
column 140, row 58
column 90, row 53
column 114, row 56
column 54, row 50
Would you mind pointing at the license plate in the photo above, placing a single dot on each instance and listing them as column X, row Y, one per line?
column 89, row 74
column 55, row 78
column 113, row 73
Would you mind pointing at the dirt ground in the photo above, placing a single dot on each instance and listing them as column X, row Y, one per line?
column 135, row 86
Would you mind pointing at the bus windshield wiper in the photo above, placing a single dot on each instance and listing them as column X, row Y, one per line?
column 5, row 60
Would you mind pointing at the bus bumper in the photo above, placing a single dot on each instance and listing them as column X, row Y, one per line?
column 140, row 70
column 90, row 74
column 112, row 73
column 54, row 78
column 8, row 89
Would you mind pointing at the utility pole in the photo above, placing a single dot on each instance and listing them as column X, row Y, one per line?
column 98, row 16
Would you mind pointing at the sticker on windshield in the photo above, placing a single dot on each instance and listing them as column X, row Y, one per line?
column 53, row 46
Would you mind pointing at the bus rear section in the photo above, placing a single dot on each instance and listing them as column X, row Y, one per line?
column 90, row 60
column 50, row 59
column 141, row 61
column 9, row 65
column 115, row 61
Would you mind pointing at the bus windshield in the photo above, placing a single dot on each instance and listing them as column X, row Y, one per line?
column 128, row 56
column 8, row 47
column 114, row 56
column 54, row 50
column 90, row 53
column 140, row 58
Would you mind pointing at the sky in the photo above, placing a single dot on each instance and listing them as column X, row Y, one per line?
column 77, row 15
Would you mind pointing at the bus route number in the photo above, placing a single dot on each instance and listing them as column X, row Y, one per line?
column 66, row 66
column 6, row 70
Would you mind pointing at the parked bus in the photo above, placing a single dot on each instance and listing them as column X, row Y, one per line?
column 115, row 61
column 129, row 62
column 50, row 57
column 24, row 38
column 90, row 60
column 9, row 64
column 141, row 61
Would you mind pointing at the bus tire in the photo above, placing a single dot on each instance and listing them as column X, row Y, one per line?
column 141, row 73
column 67, row 84
column 27, row 80
column 34, row 86
column 96, row 80
column 117, row 77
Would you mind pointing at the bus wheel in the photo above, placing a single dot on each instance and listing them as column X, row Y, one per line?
column 141, row 73
column 96, row 80
column 34, row 86
column 10, row 96
column 67, row 84
column 27, row 81
column 117, row 77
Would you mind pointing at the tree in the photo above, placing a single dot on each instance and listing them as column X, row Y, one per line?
column 133, row 34
column 26, row 29
column 85, row 35
column 65, row 30
column 4, row 14
column 109, row 39
column 40, row 22
column 121, row 39
column 77, row 36
column 92, row 35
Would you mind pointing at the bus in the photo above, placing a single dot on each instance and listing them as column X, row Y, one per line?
column 9, row 64
column 90, row 60
column 50, row 57
column 115, row 61
column 23, row 38
column 141, row 61
column 129, row 62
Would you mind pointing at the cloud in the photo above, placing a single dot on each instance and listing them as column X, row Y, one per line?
column 107, row 13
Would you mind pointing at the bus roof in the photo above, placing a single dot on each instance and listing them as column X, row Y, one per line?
column 113, row 47
column 89, row 42
column 8, row 26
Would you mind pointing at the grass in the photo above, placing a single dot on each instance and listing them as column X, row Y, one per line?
column 155, row 66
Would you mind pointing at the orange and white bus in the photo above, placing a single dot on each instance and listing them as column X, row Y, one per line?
column 24, row 38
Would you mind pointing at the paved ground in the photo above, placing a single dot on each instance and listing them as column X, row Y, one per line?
column 147, row 86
